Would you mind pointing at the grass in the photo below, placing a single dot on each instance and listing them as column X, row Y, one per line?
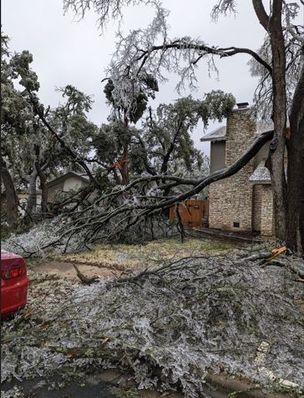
column 152, row 252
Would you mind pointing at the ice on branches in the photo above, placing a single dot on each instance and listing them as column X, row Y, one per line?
column 169, row 325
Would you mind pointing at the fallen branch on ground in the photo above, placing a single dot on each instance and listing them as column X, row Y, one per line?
column 168, row 326
column 84, row 279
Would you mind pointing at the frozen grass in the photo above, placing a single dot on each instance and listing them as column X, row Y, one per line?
column 151, row 253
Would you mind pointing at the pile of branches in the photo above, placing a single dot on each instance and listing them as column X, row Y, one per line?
column 71, row 233
column 169, row 325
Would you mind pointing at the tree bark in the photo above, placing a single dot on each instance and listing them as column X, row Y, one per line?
column 12, row 201
column 288, row 196
column 32, row 199
column 43, row 187
column 295, row 192
column 277, row 147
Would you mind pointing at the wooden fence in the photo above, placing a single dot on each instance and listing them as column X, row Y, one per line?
column 193, row 212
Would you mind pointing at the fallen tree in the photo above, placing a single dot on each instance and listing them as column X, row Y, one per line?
column 169, row 325
column 278, row 63
column 115, row 214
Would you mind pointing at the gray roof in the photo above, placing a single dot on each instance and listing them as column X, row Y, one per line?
column 219, row 134
column 264, row 125
column 260, row 175
column 216, row 135
column 70, row 174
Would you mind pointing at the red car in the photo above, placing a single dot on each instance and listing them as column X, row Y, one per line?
column 14, row 283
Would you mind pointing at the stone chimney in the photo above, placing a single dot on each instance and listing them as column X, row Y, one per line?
column 230, row 200
column 241, row 128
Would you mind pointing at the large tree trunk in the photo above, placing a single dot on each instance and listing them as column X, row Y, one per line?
column 32, row 199
column 43, row 187
column 277, row 147
column 10, row 195
column 295, row 193
column 44, row 193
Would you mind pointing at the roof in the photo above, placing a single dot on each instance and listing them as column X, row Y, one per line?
column 219, row 134
column 264, row 125
column 260, row 175
column 64, row 177
column 216, row 135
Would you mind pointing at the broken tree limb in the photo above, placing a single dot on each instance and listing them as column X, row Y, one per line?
column 111, row 266
column 120, row 210
column 84, row 279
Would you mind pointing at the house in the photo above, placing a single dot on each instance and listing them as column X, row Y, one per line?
column 242, row 202
column 70, row 181
column 23, row 198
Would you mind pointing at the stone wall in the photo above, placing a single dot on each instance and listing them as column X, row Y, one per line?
column 257, row 207
column 267, row 211
column 230, row 200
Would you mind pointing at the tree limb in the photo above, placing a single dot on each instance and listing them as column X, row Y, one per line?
column 164, row 166
column 221, row 52
column 254, row 148
column 39, row 112
column 261, row 13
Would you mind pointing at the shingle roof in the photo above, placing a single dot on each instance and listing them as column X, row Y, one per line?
column 260, row 175
column 219, row 134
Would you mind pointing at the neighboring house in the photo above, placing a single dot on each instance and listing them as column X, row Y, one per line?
column 242, row 202
column 23, row 198
column 70, row 181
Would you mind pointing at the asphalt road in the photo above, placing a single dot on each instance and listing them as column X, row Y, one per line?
column 39, row 388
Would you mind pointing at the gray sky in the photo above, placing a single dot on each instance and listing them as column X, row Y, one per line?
column 67, row 51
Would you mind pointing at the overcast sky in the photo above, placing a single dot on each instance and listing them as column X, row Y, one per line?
column 67, row 51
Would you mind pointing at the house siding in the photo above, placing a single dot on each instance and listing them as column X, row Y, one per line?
column 64, row 184
column 54, row 190
column 73, row 183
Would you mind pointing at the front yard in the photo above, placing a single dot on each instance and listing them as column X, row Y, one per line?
column 113, row 260
column 169, row 315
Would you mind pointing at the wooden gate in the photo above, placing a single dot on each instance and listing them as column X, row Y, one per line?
column 193, row 212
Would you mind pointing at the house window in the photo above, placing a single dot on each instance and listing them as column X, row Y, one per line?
column 236, row 225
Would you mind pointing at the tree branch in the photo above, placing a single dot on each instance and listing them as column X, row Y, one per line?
column 261, row 13
column 149, row 169
column 39, row 112
column 181, row 45
column 121, row 208
column 229, row 51
column 164, row 166
column 254, row 148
